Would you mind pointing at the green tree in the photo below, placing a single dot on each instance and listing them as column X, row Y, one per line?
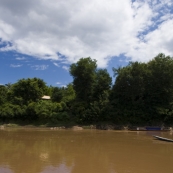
column 100, row 98
column 68, row 94
column 128, row 92
column 65, row 94
column 84, row 75
column 102, row 84
column 3, row 94
column 28, row 90
column 57, row 94
column 143, row 92
column 159, row 89
column 92, row 87
column 161, row 80
column 10, row 111
column 8, row 85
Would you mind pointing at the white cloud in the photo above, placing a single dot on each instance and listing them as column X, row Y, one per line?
column 56, row 64
column 159, row 40
column 15, row 65
column 100, row 29
column 64, row 86
column 60, row 84
column 6, row 30
column 40, row 67
column 65, row 68
column 20, row 58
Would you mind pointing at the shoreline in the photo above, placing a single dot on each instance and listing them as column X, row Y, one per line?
column 65, row 126
column 78, row 127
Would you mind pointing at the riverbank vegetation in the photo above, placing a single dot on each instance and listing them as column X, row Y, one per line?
column 142, row 94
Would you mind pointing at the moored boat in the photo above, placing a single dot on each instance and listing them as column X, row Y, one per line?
column 149, row 128
column 153, row 128
column 163, row 139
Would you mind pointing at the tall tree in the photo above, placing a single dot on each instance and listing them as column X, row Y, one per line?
column 84, row 75
column 102, row 84
column 128, row 92
column 159, row 89
column 143, row 92
column 161, row 80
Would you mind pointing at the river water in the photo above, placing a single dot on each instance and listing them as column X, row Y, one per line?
column 86, row 151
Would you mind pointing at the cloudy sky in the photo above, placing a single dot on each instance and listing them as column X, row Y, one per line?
column 41, row 38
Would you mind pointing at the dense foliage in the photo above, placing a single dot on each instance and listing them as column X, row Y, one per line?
column 142, row 94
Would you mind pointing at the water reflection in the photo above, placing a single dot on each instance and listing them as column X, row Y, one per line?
column 60, row 169
column 65, row 151
column 5, row 169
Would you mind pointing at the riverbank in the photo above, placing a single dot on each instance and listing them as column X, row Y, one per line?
column 65, row 126
column 74, row 126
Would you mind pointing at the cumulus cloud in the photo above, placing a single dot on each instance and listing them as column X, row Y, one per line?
column 101, row 29
column 40, row 67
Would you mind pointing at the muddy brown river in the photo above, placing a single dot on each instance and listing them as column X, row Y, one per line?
column 86, row 151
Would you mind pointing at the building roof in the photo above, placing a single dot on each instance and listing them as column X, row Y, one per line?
column 46, row 97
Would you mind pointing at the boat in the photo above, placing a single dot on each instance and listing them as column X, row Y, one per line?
column 149, row 128
column 163, row 139
column 153, row 128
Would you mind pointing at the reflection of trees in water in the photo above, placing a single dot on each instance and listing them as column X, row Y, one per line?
column 5, row 169
column 28, row 151
column 62, row 168
column 35, row 151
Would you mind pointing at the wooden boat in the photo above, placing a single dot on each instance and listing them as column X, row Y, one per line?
column 163, row 139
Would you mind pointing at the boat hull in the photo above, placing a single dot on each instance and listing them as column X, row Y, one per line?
column 153, row 128
column 149, row 129
column 163, row 139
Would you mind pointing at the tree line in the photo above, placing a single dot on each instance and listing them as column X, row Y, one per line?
column 142, row 94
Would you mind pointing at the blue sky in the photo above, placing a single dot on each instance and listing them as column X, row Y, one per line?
column 42, row 38
column 15, row 66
